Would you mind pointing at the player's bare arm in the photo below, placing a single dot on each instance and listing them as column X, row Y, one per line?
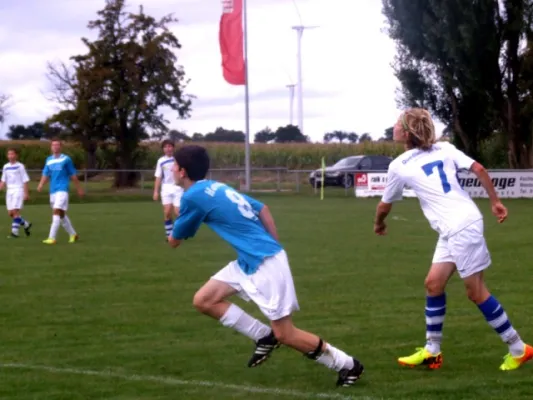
column 266, row 218
column 42, row 182
column 26, row 191
column 498, row 209
column 157, row 186
column 2, row 185
column 77, row 184
column 382, row 211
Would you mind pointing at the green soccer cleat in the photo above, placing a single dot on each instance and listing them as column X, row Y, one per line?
column 422, row 357
column 49, row 241
column 73, row 238
column 511, row 363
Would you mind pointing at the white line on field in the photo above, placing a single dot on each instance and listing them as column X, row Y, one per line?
column 180, row 382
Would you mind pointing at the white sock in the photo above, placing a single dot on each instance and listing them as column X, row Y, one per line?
column 335, row 359
column 433, row 346
column 65, row 221
column 54, row 228
column 15, row 227
column 236, row 318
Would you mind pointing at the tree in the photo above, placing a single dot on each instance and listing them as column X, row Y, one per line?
column 335, row 135
column 35, row 131
column 4, row 98
column 116, row 89
column 353, row 137
column 365, row 137
column 264, row 136
column 225, row 135
column 177, row 136
column 464, row 61
column 290, row 133
column 387, row 135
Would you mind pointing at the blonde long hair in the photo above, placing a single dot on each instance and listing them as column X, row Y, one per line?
column 419, row 129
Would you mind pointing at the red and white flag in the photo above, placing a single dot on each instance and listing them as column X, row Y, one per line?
column 231, row 38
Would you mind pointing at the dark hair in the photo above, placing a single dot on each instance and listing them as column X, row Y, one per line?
column 55, row 139
column 194, row 160
column 167, row 141
column 13, row 150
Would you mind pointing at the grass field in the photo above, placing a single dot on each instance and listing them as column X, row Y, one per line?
column 111, row 318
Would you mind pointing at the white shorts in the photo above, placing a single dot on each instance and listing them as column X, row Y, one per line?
column 14, row 200
column 467, row 249
column 271, row 287
column 59, row 201
column 171, row 195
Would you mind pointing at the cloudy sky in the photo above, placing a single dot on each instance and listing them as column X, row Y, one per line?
column 347, row 79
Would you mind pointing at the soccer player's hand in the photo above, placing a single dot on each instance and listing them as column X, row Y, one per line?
column 156, row 196
column 26, row 196
column 380, row 229
column 80, row 192
column 39, row 188
column 499, row 210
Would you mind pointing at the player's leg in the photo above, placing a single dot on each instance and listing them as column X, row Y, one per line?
column 166, row 200
column 440, row 272
column 61, row 204
column 17, row 217
column 473, row 258
column 272, row 289
column 211, row 300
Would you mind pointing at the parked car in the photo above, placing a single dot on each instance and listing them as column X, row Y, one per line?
column 342, row 172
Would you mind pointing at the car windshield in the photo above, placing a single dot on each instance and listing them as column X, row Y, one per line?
column 348, row 162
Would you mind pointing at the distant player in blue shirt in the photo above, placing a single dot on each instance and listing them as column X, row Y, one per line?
column 261, row 272
column 60, row 170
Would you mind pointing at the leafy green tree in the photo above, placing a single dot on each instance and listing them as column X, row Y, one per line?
column 115, row 91
column 225, row 135
column 365, row 137
column 387, row 135
column 464, row 61
column 290, row 133
column 264, row 136
column 35, row 131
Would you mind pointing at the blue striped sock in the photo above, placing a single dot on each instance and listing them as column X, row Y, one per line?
column 168, row 227
column 15, row 225
column 435, row 312
column 497, row 318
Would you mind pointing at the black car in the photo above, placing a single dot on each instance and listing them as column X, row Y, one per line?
column 342, row 173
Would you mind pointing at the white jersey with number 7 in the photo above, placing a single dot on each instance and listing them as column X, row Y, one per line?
column 432, row 174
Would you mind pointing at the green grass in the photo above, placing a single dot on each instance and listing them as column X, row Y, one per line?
column 118, row 303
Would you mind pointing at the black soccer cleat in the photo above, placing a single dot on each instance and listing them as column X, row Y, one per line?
column 263, row 348
column 348, row 377
column 27, row 230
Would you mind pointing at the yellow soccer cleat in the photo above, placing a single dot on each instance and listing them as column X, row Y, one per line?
column 510, row 363
column 422, row 357
column 73, row 238
column 49, row 241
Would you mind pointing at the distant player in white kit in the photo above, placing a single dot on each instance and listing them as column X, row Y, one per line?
column 430, row 169
column 15, row 178
column 60, row 170
column 165, row 186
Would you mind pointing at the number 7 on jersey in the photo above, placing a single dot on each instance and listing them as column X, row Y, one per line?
column 429, row 168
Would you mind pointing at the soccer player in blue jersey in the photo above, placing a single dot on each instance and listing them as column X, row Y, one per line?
column 60, row 170
column 261, row 272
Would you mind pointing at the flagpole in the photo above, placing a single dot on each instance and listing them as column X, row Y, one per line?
column 247, row 166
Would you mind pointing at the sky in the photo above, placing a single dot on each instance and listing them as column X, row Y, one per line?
column 348, row 82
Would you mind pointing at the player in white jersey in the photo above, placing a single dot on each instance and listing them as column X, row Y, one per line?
column 430, row 169
column 165, row 186
column 15, row 179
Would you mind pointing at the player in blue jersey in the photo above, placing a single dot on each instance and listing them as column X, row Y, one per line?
column 261, row 272
column 60, row 170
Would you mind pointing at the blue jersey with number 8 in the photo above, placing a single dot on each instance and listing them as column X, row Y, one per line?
column 232, row 215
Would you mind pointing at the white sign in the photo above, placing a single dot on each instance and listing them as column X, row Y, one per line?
column 508, row 184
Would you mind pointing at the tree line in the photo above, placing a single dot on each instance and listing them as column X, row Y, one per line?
column 284, row 134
